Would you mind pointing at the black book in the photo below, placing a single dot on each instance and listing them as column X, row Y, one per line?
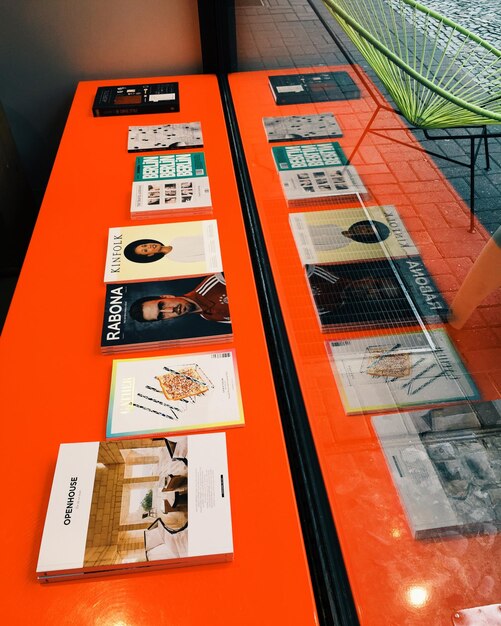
column 321, row 87
column 136, row 99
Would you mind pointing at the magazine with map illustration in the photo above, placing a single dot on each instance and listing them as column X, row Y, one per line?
column 297, row 127
column 398, row 370
column 174, row 249
column 342, row 235
column 315, row 170
column 170, row 184
column 172, row 394
column 135, row 505
column 164, row 137
column 446, row 466
column 160, row 313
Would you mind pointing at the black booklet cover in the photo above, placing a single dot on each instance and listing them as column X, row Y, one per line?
column 158, row 313
column 136, row 99
column 319, row 87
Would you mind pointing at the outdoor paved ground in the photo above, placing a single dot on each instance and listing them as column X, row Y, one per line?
column 288, row 33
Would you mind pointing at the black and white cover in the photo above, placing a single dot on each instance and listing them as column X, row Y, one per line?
column 316, row 170
column 125, row 505
column 313, row 87
column 375, row 294
column 297, row 127
column 164, row 137
column 446, row 466
column 167, row 312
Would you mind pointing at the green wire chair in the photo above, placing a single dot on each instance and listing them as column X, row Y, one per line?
column 439, row 75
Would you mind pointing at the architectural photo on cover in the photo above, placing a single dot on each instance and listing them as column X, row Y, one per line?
column 139, row 506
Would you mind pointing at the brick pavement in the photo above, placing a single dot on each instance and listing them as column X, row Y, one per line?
column 287, row 33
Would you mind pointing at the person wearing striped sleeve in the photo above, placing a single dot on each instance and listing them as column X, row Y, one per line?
column 209, row 299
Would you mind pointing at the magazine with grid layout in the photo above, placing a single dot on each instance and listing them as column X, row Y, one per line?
column 309, row 172
column 174, row 394
column 170, row 184
column 136, row 504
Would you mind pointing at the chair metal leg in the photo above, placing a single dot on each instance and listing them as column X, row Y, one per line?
column 486, row 145
column 472, row 184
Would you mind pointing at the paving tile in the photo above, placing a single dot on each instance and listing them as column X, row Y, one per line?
column 286, row 33
column 453, row 249
column 459, row 234
column 486, row 360
column 491, row 315
column 447, row 282
column 496, row 381
column 460, row 266
column 471, row 338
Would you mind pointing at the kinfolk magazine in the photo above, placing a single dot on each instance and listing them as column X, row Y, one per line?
column 170, row 250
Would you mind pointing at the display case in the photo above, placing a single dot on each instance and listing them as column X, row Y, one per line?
column 51, row 346
column 394, row 336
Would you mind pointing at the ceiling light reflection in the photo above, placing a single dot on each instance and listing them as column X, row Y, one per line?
column 417, row 596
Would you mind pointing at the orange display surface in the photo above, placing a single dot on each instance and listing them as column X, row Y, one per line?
column 395, row 578
column 56, row 385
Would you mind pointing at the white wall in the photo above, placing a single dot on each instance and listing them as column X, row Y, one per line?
column 47, row 46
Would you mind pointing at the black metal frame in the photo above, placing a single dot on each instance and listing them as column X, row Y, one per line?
column 473, row 152
column 330, row 583
column 217, row 25
column 331, row 587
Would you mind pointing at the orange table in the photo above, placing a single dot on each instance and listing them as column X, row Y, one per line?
column 395, row 579
column 56, row 385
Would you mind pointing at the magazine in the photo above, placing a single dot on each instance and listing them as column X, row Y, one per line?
column 313, row 87
column 375, row 294
column 406, row 369
column 446, row 466
column 131, row 505
column 170, row 184
column 154, row 314
column 172, row 394
column 296, row 127
column 342, row 235
column 164, row 137
column 168, row 250
column 315, row 170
